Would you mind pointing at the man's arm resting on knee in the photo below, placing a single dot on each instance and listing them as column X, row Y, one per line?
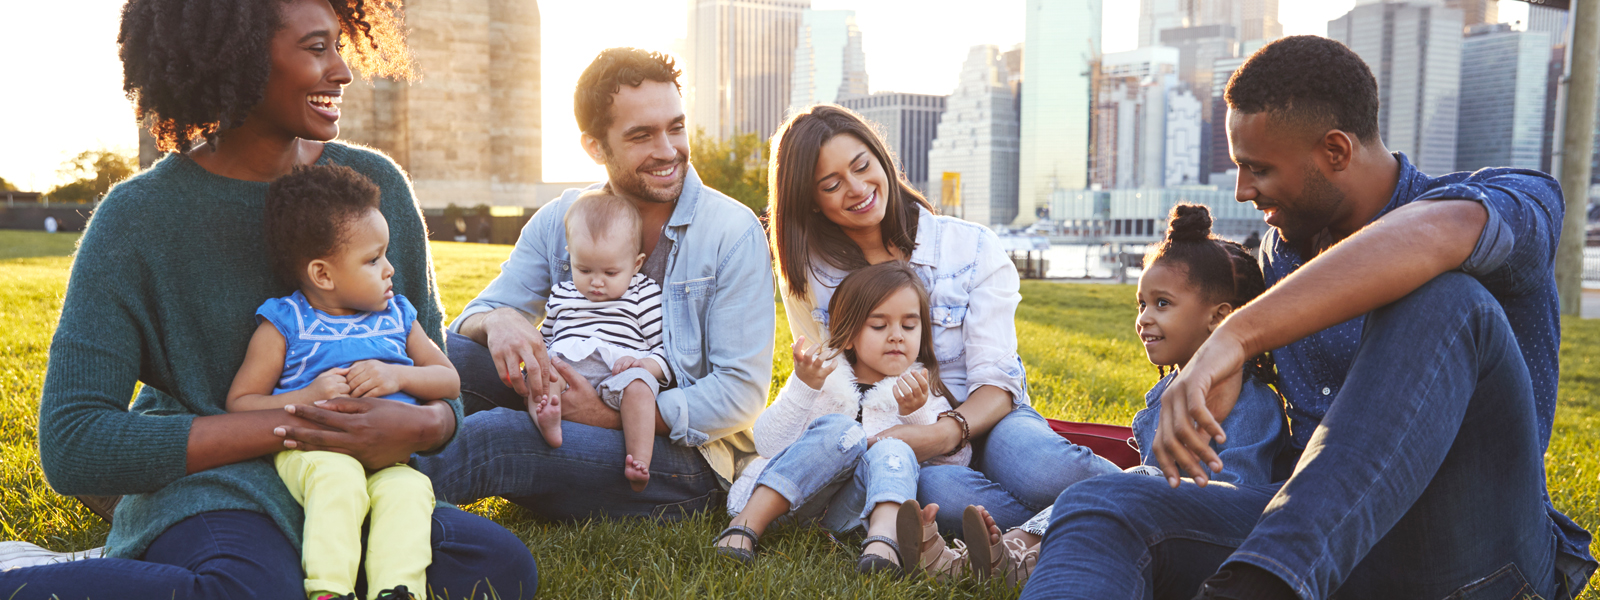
column 1379, row 264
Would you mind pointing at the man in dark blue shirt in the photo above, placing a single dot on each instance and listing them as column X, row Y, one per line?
column 1415, row 326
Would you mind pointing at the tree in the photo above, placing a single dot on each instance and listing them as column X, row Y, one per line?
column 6, row 186
column 736, row 166
column 91, row 174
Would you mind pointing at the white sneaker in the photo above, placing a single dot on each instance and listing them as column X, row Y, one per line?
column 1145, row 470
column 16, row 555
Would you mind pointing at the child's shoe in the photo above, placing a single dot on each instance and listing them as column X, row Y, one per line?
column 398, row 592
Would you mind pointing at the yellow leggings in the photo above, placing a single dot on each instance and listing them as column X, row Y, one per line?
column 337, row 493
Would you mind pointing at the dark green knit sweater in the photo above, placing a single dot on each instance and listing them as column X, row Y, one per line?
column 163, row 291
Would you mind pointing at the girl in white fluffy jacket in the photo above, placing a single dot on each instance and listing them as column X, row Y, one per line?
column 819, row 456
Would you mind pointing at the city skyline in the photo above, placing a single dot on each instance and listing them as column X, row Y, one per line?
column 84, row 78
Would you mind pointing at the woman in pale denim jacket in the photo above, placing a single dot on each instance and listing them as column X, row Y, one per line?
column 838, row 204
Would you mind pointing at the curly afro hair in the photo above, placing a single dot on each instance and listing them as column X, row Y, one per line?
column 613, row 68
column 194, row 68
column 308, row 215
column 1309, row 81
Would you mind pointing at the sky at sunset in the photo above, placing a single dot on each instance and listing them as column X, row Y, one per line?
column 66, row 96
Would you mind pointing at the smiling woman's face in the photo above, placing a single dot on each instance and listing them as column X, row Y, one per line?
column 851, row 184
column 308, row 76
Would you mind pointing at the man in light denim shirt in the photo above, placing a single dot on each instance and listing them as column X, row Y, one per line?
column 709, row 254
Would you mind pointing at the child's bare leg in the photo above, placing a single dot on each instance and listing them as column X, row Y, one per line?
column 546, row 413
column 638, row 433
column 764, row 507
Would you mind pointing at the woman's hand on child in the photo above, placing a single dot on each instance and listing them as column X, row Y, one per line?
column 810, row 366
column 332, row 383
column 911, row 391
column 377, row 432
column 373, row 378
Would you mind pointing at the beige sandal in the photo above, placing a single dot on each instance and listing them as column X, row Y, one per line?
column 933, row 557
column 1012, row 558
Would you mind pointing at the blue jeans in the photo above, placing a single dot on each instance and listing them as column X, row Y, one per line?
column 831, row 474
column 499, row 452
column 1016, row 471
column 242, row 554
column 1425, row 478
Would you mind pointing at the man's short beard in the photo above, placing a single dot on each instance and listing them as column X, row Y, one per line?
column 1313, row 211
column 630, row 184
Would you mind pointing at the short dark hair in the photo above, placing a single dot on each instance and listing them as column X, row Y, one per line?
column 308, row 215
column 612, row 69
column 194, row 69
column 600, row 211
column 1308, row 80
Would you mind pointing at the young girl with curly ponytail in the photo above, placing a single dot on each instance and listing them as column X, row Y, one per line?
column 1192, row 281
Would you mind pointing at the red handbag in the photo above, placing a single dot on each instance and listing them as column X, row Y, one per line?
column 1112, row 442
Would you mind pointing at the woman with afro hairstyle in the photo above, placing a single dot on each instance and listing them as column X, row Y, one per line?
column 163, row 292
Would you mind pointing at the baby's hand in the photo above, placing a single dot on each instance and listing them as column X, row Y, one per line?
column 810, row 366
column 373, row 378
column 330, row 384
column 911, row 391
column 625, row 363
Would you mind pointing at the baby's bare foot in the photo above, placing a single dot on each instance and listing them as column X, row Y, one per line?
column 637, row 472
column 547, row 416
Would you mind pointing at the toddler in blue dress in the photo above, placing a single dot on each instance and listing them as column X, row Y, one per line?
column 343, row 333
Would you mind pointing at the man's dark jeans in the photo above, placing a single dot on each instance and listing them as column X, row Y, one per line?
column 1426, row 478
column 499, row 452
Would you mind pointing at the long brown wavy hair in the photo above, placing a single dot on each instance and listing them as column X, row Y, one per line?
column 862, row 291
column 797, row 230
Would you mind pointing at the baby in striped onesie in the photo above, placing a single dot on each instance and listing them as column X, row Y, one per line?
column 606, row 323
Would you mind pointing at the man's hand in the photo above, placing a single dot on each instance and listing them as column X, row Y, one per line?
column 519, row 353
column 809, row 365
column 911, row 391
column 332, row 383
column 377, row 432
column 1199, row 398
column 374, row 378
column 581, row 403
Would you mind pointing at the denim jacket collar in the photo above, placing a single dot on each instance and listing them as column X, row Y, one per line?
column 688, row 200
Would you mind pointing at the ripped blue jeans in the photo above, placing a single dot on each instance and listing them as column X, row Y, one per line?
column 832, row 475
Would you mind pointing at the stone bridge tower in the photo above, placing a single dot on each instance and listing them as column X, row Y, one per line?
column 467, row 130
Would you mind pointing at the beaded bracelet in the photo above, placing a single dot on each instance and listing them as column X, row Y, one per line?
column 966, row 431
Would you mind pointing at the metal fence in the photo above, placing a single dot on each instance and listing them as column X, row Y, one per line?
column 1591, row 263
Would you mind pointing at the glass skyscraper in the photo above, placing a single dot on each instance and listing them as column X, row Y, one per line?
column 1062, row 44
column 1502, row 120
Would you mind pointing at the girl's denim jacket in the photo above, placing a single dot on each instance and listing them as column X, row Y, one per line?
column 1257, row 430
column 972, row 286
column 717, row 307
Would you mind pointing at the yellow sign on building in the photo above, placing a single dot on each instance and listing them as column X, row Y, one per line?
column 950, row 194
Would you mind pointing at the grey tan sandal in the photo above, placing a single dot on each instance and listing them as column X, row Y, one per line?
column 1011, row 559
column 743, row 555
column 869, row 564
column 931, row 554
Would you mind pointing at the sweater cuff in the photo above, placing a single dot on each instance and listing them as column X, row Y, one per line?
column 457, row 411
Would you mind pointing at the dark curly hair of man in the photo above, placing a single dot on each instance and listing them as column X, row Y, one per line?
column 612, row 69
column 308, row 215
column 194, row 68
column 1309, row 81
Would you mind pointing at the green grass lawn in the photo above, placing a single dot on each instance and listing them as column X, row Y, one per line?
column 1077, row 341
